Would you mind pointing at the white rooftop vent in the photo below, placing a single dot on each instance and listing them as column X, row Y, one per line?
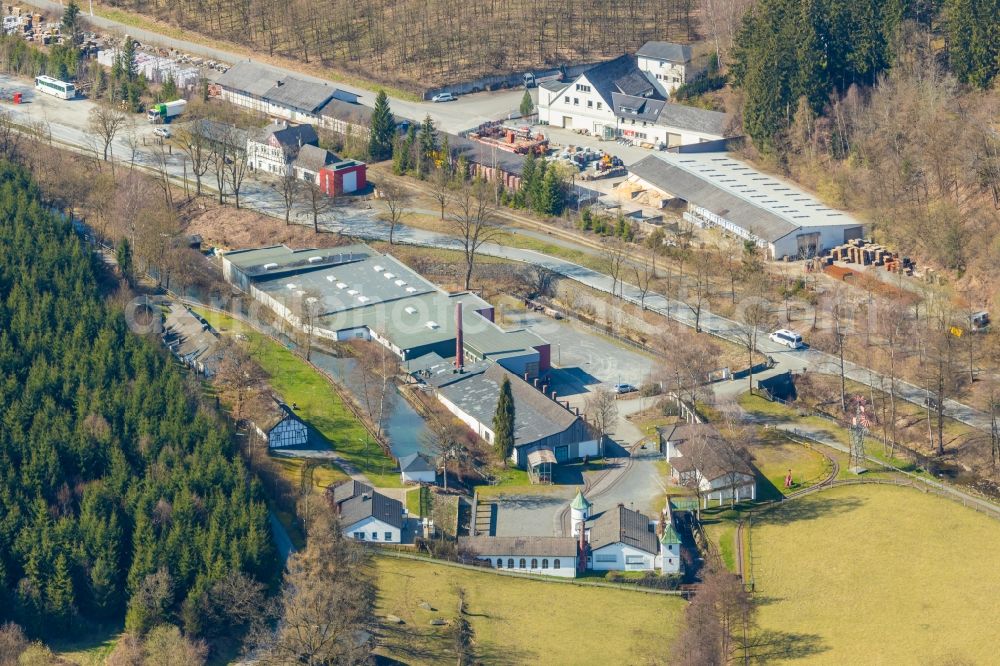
column 363, row 299
column 330, row 278
column 313, row 260
column 270, row 265
column 291, row 286
column 389, row 276
column 400, row 283
column 410, row 290
column 352, row 292
column 377, row 268
column 409, row 309
column 432, row 325
column 341, row 285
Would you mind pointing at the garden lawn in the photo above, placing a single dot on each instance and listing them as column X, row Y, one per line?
column 518, row 621
column 318, row 404
column 319, row 475
column 775, row 455
column 879, row 575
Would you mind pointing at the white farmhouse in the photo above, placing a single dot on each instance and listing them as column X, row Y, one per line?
column 368, row 515
column 621, row 539
column 548, row 556
column 698, row 455
column 275, row 147
column 417, row 468
column 667, row 65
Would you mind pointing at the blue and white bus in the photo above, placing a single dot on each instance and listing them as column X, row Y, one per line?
column 55, row 87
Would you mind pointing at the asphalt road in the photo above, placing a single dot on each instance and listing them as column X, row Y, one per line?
column 67, row 123
column 465, row 113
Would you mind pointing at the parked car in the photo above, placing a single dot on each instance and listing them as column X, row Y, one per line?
column 443, row 97
column 790, row 339
column 162, row 132
column 624, row 388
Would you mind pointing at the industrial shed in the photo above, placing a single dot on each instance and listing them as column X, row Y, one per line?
column 261, row 88
column 722, row 191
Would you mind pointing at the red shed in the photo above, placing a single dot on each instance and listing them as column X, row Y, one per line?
column 343, row 177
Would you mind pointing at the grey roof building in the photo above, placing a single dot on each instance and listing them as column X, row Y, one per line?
column 723, row 191
column 273, row 92
column 691, row 118
column 676, row 53
column 371, row 505
column 623, row 525
column 313, row 158
column 529, row 546
column 416, row 462
column 290, row 137
column 351, row 488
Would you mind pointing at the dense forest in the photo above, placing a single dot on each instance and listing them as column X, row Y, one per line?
column 889, row 108
column 121, row 494
column 414, row 44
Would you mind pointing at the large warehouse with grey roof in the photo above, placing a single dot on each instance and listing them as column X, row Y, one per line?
column 722, row 191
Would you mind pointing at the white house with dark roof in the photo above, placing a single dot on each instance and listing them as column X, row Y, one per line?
column 275, row 147
column 619, row 99
column 621, row 539
column 667, row 65
column 722, row 191
column 548, row 556
column 417, row 468
column 278, row 425
column 698, row 455
column 367, row 515
column 546, row 433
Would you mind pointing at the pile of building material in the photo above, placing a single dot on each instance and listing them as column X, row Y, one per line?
column 518, row 140
column 155, row 68
column 865, row 253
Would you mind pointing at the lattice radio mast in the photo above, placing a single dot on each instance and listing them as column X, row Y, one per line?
column 859, row 428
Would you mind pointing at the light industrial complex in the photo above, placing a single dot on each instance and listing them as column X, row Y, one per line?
column 448, row 341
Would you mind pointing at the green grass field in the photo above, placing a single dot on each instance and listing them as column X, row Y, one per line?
column 775, row 455
column 319, row 404
column 521, row 621
column 878, row 575
column 318, row 475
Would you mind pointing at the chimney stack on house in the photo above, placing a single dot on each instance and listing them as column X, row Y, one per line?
column 459, row 343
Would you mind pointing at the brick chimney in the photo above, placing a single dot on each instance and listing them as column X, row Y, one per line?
column 459, row 343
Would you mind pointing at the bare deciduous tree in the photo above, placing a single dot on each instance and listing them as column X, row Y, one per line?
column 756, row 317
column 197, row 148
column 374, row 372
column 602, row 411
column 105, row 122
column 396, row 199
column 615, row 255
column 474, row 222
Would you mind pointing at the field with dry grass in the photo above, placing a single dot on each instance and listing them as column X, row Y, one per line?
column 878, row 575
column 517, row 621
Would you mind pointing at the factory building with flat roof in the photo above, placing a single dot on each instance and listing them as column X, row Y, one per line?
column 353, row 292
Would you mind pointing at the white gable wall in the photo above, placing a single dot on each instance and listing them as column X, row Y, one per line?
column 418, row 477
column 370, row 526
column 621, row 557
column 579, row 106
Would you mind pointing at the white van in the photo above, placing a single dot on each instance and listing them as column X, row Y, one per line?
column 790, row 339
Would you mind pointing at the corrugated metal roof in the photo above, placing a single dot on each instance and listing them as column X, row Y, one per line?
column 693, row 119
column 276, row 86
column 249, row 77
column 623, row 525
column 346, row 111
column 527, row 546
column 678, row 53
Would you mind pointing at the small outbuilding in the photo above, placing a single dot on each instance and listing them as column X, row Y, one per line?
column 343, row 177
column 279, row 426
column 623, row 540
column 417, row 468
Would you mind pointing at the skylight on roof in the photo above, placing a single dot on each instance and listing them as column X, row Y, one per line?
column 400, row 283
column 432, row 325
column 330, row 278
column 409, row 309
column 389, row 276
column 377, row 268
column 290, row 285
column 363, row 299
column 270, row 265
column 313, row 260
column 352, row 292
column 410, row 290
column 341, row 285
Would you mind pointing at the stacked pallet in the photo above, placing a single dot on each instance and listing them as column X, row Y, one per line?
column 862, row 252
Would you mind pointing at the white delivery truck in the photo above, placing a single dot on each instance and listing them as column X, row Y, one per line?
column 164, row 113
